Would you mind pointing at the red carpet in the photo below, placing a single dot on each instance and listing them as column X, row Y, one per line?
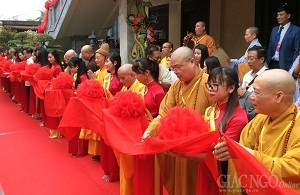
column 31, row 163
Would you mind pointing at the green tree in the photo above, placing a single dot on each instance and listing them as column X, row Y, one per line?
column 42, row 39
column 24, row 39
column 6, row 34
column 22, row 36
column 12, row 38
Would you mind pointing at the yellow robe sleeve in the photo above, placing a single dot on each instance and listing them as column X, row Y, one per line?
column 199, row 96
column 286, row 167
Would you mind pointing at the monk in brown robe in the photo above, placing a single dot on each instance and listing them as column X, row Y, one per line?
column 179, row 175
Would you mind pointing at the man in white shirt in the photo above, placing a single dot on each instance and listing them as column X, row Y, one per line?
column 28, row 55
column 152, row 52
column 257, row 56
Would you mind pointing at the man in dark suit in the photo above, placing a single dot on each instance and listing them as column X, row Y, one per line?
column 284, row 45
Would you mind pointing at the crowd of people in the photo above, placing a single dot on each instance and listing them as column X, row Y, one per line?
column 254, row 102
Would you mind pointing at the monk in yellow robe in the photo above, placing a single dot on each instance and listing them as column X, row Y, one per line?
column 272, row 137
column 179, row 175
column 94, row 145
column 126, row 162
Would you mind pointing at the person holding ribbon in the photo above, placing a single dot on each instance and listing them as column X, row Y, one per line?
column 179, row 175
column 224, row 115
column 272, row 136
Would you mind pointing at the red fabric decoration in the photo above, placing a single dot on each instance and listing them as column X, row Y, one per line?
column 2, row 59
column 42, row 26
column 127, row 104
column 249, row 168
column 62, row 81
column 56, row 101
column 90, row 89
column 32, row 69
column 121, row 136
column 44, row 73
column 124, row 135
column 6, row 65
column 181, row 122
column 127, row 130
column 80, row 112
column 18, row 66
column 41, row 81
column 85, row 110
column 39, row 87
column 15, row 71
column 15, row 76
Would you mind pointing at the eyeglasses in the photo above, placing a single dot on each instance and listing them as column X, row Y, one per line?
column 251, row 58
column 212, row 86
column 178, row 67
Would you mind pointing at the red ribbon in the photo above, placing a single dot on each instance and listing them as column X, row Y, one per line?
column 42, row 26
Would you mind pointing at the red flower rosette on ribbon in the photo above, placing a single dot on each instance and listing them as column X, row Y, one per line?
column 84, row 110
column 44, row 73
column 32, row 69
column 6, row 66
column 58, row 95
column 62, row 81
column 127, row 104
column 18, row 66
column 124, row 120
column 15, row 71
column 181, row 122
column 42, row 80
column 90, row 89
column 29, row 71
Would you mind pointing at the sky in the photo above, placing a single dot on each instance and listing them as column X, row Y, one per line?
column 21, row 10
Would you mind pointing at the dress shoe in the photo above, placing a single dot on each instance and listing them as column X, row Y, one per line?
column 73, row 155
column 96, row 157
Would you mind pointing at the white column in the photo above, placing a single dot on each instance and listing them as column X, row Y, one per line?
column 125, row 35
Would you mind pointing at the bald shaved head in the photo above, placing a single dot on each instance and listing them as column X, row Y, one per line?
column 126, row 68
column 183, row 53
column 87, row 48
column 87, row 52
column 184, row 64
column 273, row 92
column 279, row 80
column 126, row 75
column 69, row 54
